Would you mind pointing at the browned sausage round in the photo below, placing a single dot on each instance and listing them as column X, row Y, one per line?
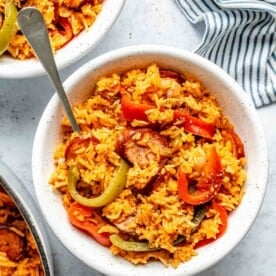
column 142, row 145
column 10, row 243
column 172, row 75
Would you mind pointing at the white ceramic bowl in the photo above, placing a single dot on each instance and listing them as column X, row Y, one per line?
column 30, row 212
column 73, row 51
column 237, row 107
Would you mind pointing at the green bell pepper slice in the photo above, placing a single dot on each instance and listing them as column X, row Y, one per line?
column 130, row 245
column 8, row 28
column 137, row 246
column 199, row 214
column 109, row 194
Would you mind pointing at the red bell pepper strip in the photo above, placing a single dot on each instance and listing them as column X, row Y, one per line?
column 222, row 227
column 63, row 34
column 56, row 10
column 209, row 183
column 89, row 221
column 195, row 125
column 132, row 111
column 223, row 217
column 237, row 145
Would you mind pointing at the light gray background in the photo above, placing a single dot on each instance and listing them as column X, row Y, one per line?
column 141, row 21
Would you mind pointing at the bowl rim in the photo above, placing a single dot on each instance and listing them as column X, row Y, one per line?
column 76, row 49
column 143, row 49
column 30, row 213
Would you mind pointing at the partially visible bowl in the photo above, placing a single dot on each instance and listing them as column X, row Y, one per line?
column 71, row 52
column 237, row 108
column 30, row 212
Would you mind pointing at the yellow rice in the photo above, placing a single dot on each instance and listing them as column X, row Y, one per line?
column 160, row 216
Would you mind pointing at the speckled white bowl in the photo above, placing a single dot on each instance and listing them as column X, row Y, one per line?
column 70, row 53
column 237, row 107
column 30, row 212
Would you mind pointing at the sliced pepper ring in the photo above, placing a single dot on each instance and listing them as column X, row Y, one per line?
column 137, row 246
column 109, row 194
column 208, row 184
column 223, row 215
column 8, row 29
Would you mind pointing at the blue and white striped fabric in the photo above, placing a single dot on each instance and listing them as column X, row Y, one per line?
column 240, row 37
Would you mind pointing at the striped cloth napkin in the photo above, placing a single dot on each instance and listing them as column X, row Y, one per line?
column 240, row 37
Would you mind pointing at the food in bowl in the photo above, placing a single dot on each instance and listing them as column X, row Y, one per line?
column 84, row 42
column 156, row 169
column 19, row 254
column 64, row 20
